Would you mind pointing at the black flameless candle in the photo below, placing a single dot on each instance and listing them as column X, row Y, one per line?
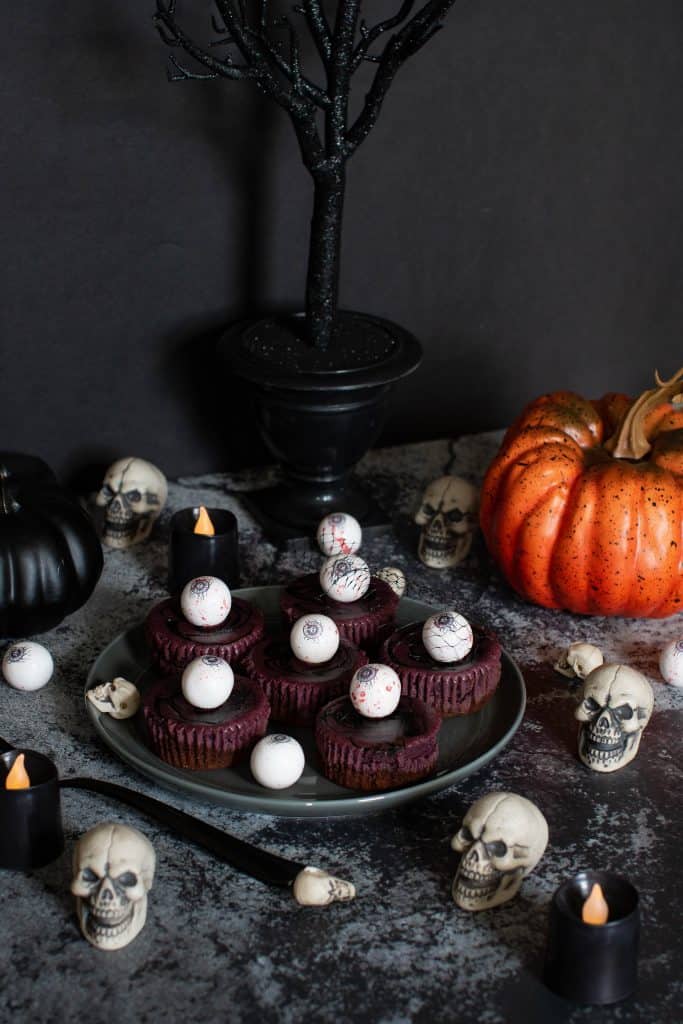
column 192, row 554
column 30, row 817
column 593, row 963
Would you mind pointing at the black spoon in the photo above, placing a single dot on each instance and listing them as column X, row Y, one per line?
column 251, row 860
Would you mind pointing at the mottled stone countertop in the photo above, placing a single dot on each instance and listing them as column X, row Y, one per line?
column 220, row 946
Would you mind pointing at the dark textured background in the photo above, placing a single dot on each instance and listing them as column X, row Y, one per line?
column 518, row 207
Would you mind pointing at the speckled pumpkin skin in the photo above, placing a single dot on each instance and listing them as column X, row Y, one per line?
column 572, row 527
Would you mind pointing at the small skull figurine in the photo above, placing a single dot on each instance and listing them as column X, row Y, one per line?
column 315, row 888
column 616, row 706
column 113, row 870
column 120, row 698
column 578, row 660
column 502, row 838
column 448, row 517
column 132, row 495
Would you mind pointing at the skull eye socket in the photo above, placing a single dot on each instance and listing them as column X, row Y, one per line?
column 133, row 496
column 591, row 705
column 107, row 491
column 428, row 509
column 466, row 835
column 455, row 516
column 497, row 848
column 623, row 712
column 89, row 876
column 128, row 878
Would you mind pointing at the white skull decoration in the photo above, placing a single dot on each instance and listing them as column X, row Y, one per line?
column 315, row 888
column 578, row 660
column 502, row 838
column 616, row 705
column 132, row 495
column 113, row 870
column 120, row 698
column 448, row 517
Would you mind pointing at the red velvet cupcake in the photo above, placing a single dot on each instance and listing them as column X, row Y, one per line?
column 297, row 690
column 357, row 621
column 453, row 688
column 377, row 753
column 190, row 737
column 175, row 642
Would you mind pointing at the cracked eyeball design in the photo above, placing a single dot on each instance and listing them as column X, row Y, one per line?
column 345, row 578
column 447, row 636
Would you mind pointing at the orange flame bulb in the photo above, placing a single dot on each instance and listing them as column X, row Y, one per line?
column 595, row 909
column 203, row 524
column 17, row 777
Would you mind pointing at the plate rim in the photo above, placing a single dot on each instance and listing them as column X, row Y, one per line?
column 292, row 806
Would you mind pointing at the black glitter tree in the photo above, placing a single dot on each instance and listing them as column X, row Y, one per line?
column 264, row 47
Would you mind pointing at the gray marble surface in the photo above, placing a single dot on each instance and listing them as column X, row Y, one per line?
column 221, row 946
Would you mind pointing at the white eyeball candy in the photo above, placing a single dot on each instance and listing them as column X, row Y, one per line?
column 671, row 663
column 447, row 636
column 207, row 682
column 314, row 639
column 277, row 761
column 339, row 534
column 375, row 691
column 345, row 578
column 27, row 665
column 206, row 601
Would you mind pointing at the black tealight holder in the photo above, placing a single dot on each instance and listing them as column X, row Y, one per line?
column 192, row 554
column 30, row 819
column 593, row 963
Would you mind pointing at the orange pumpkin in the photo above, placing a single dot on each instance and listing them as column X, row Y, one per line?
column 582, row 508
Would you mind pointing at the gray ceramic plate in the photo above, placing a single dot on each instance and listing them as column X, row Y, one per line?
column 465, row 744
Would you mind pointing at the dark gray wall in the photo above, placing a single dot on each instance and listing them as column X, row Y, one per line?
column 518, row 207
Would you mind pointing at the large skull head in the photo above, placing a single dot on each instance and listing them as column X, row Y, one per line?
column 448, row 517
column 616, row 705
column 132, row 495
column 113, row 870
column 502, row 839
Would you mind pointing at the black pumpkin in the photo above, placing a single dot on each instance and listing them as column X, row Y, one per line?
column 50, row 555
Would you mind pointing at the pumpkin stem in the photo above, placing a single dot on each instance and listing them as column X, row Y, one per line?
column 631, row 438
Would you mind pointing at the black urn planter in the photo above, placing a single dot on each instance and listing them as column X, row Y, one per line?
column 318, row 411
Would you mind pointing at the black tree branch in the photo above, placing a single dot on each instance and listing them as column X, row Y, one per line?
column 414, row 34
column 369, row 35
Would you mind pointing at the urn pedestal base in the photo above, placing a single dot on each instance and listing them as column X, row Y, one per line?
column 318, row 412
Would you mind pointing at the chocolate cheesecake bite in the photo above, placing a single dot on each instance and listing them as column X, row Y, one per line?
column 298, row 673
column 457, row 687
column 225, row 627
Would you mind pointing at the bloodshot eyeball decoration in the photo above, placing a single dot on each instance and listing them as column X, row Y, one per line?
column 206, row 601
column 375, row 691
column 339, row 534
